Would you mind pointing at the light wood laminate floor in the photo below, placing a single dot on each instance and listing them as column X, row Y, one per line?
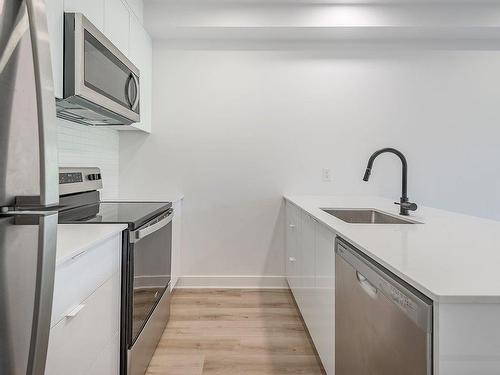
column 234, row 331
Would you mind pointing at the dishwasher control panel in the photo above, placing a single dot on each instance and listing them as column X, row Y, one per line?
column 404, row 302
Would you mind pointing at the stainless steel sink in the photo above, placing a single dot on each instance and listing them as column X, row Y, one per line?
column 366, row 216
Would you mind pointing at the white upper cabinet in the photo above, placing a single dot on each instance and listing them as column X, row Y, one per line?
column 117, row 24
column 141, row 54
column 86, row 311
column 137, row 7
column 55, row 23
column 92, row 9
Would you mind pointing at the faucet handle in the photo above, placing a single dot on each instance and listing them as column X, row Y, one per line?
column 409, row 206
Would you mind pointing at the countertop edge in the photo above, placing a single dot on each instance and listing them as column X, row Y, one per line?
column 111, row 230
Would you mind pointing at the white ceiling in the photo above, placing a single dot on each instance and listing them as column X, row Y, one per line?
column 311, row 19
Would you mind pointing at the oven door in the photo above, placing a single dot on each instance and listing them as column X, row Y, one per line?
column 149, row 270
column 97, row 72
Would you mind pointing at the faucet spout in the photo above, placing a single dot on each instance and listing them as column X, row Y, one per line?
column 404, row 203
column 368, row 172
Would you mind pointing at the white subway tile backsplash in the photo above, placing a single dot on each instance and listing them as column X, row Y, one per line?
column 86, row 146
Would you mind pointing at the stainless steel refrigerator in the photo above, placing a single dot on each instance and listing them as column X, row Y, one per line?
column 28, row 167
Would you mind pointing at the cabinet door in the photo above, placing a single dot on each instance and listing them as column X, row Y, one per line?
column 292, row 232
column 307, row 268
column 137, row 7
column 117, row 24
column 92, row 9
column 141, row 54
column 55, row 21
column 108, row 362
column 323, row 327
column 312, row 278
column 77, row 341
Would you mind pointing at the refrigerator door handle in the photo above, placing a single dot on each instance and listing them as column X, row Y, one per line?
column 46, row 107
column 42, row 311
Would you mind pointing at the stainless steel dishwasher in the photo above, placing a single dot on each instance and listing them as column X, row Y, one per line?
column 383, row 326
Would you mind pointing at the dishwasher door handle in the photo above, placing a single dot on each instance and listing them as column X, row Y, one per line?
column 366, row 285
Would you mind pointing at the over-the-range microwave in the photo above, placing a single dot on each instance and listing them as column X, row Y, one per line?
column 101, row 85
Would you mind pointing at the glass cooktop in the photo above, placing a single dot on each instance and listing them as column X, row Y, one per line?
column 135, row 214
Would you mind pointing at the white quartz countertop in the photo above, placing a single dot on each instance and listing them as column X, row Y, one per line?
column 450, row 257
column 72, row 239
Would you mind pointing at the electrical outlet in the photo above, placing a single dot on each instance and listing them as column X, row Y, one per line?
column 327, row 175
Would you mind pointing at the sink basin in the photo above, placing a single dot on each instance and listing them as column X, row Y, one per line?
column 366, row 216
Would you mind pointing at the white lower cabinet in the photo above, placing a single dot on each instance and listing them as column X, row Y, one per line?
column 323, row 323
column 76, row 343
column 310, row 272
column 109, row 359
column 85, row 338
column 307, row 268
column 466, row 339
column 292, row 235
column 77, row 278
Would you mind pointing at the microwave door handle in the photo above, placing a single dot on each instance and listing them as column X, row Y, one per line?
column 136, row 99
column 132, row 103
column 127, row 90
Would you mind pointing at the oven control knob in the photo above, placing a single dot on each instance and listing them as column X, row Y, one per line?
column 94, row 176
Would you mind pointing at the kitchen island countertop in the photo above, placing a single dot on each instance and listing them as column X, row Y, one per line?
column 450, row 257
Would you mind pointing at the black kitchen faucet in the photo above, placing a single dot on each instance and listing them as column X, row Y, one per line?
column 404, row 203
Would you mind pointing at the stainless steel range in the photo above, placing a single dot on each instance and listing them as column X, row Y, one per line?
column 146, row 259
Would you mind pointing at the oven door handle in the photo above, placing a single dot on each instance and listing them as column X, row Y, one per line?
column 139, row 234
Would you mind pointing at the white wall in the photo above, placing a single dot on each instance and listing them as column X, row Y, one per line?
column 234, row 130
column 86, row 146
column 240, row 119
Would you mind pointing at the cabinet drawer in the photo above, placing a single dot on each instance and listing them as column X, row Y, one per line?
column 78, row 278
column 76, row 344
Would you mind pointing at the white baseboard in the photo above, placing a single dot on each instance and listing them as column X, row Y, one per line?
column 237, row 282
